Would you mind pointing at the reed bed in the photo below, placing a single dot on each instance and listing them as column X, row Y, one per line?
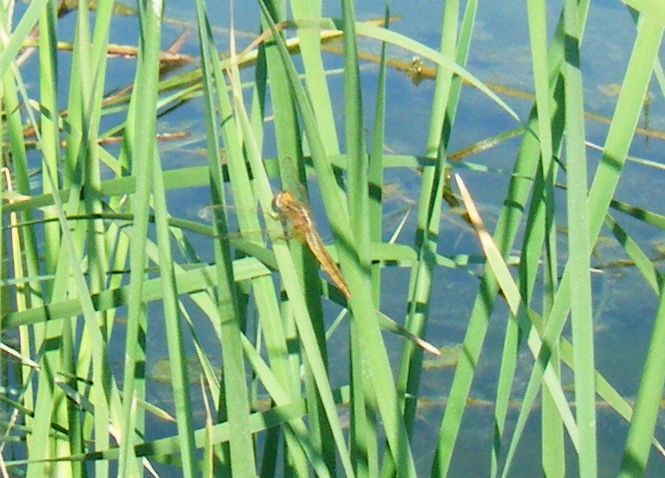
column 98, row 257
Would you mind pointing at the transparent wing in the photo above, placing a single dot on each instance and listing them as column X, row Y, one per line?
column 234, row 218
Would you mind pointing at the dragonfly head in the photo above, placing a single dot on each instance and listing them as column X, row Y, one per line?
column 282, row 200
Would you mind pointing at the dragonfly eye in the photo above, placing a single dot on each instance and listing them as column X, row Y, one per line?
column 282, row 199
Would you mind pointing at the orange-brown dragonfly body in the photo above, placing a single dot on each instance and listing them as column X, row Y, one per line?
column 299, row 215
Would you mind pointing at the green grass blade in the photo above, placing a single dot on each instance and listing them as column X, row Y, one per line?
column 364, row 434
column 236, row 405
column 140, row 134
column 645, row 265
column 317, row 87
column 19, row 35
column 578, row 247
column 174, row 335
column 647, row 406
column 552, row 437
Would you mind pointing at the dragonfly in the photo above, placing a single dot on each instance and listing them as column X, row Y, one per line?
column 299, row 216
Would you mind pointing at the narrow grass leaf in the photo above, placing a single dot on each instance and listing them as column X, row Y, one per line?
column 578, row 246
column 13, row 41
column 236, row 405
column 140, row 134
